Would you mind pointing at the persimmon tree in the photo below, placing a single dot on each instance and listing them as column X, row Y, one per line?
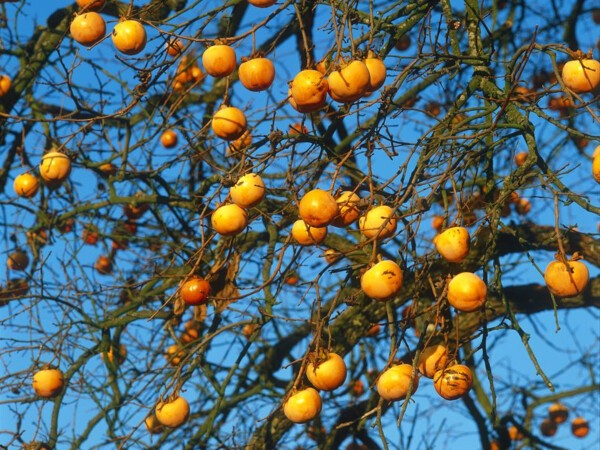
column 164, row 256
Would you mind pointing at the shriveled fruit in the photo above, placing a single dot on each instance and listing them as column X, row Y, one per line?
column 348, row 209
column 257, row 74
column 248, row 191
column 309, row 91
column 558, row 412
column 432, row 359
column 349, row 83
column 581, row 75
column 229, row 123
column 318, row 208
column 173, row 413
column 219, row 60
column 395, row 383
column 580, row 427
column 303, row 405
column 327, row 374
column 566, row 278
column 195, row 291
column 453, row 382
column 467, row 292
column 48, row 383
column 88, row 28
column 229, row 220
column 26, row 185
column 379, row 223
column 304, row 234
column 55, row 168
column 153, row 425
column 453, row 243
column 548, row 427
column 382, row 281
column 17, row 260
column 129, row 37
column 168, row 139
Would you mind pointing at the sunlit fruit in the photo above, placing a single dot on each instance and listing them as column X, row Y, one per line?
column 153, row 425
column 566, row 278
column 248, row 191
column 262, row 3
column 257, row 74
column 467, row 292
column 304, row 234
column 432, row 359
column 174, row 354
column 327, row 374
column 229, row 123
column 318, row 208
column 129, row 37
column 298, row 128
column 195, row 291
column 5, row 84
column 348, row 209
column 108, row 169
column 377, row 72
column 395, row 383
column 48, row 383
column 219, row 60
column 168, row 139
column 349, row 83
column 91, row 5
column 382, row 281
column 548, row 427
column 379, row 223
column 309, row 91
column 453, row 382
column 453, row 243
column 174, row 47
column 580, row 427
column 173, row 413
column 55, row 168
column 581, row 75
column 26, row 185
column 229, row 220
column 520, row 158
column 558, row 412
column 88, row 28
column 596, row 165
column 17, row 260
column 515, row 434
column 103, row 265
column 303, row 405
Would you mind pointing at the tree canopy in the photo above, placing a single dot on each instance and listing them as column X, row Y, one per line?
column 204, row 202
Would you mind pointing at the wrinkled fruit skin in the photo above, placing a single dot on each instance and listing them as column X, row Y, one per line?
column 453, row 382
